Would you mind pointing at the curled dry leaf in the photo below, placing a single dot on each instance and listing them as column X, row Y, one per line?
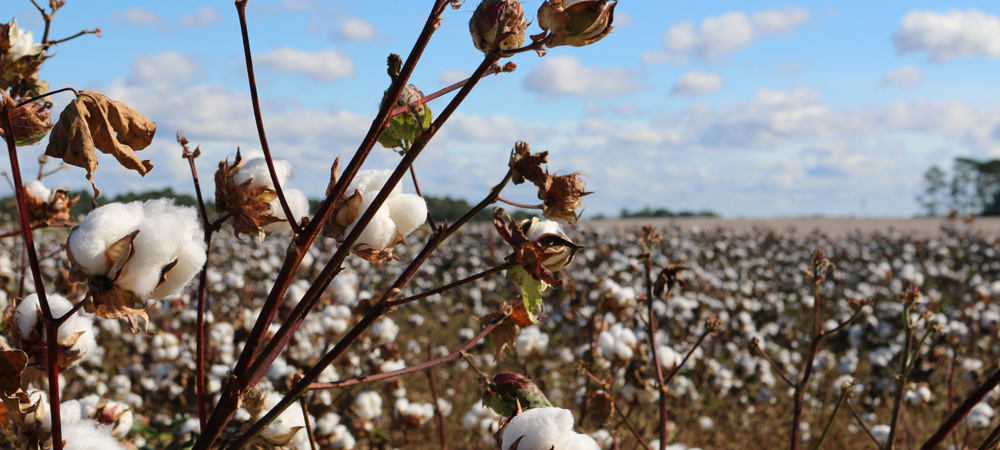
column 94, row 121
column 12, row 365
column 53, row 209
column 560, row 194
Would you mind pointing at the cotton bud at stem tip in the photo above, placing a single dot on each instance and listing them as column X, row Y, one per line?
column 498, row 25
column 575, row 22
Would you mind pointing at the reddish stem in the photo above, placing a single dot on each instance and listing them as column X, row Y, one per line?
column 199, row 385
column 51, row 325
column 241, row 8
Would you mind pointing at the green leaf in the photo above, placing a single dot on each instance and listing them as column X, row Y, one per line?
column 404, row 127
column 531, row 291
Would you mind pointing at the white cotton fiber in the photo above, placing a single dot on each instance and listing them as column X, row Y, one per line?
column 167, row 232
column 288, row 421
column 89, row 435
column 256, row 168
column 297, row 203
column 545, row 429
column 368, row 405
column 39, row 190
column 544, row 227
column 27, row 316
column 401, row 213
column 101, row 228
column 408, row 211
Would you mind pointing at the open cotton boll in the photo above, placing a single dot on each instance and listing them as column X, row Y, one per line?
column 297, row 203
column 38, row 189
column 407, row 211
column 289, row 421
column 368, row 405
column 101, row 228
column 548, row 428
column 380, row 231
column 544, row 227
column 89, row 435
column 77, row 331
column 256, row 168
column 371, row 182
column 166, row 233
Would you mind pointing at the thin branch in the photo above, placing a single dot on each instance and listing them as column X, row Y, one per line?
column 407, row 370
column 972, row 400
column 51, row 325
column 520, row 205
column 844, row 392
column 37, row 227
column 445, row 288
column 442, row 434
column 241, row 8
column 755, row 345
column 199, row 385
column 309, row 430
column 39, row 97
column 708, row 330
column 647, row 263
column 897, row 404
column 509, row 67
column 604, row 385
column 96, row 31
column 863, row 426
column 416, row 186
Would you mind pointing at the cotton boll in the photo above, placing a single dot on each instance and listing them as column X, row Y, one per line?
column 531, row 342
column 256, row 168
column 77, row 331
column 385, row 330
column 38, row 189
column 371, row 182
column 101, row 228
column 980, row 416
column 368, row 405
column 482, row 420
column 297, row 203
column 166, row 233
column 89, row 435
column 544, row 227
column 289, row 421
column 545, row 429
column 407, row 211
column 379, row 233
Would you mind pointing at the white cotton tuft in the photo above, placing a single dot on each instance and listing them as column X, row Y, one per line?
column 256, row 168
column 531, row 342
column 544, row 227
column 39, row 190
column 77, row 330
column 385, row 330
column 400, row 214
column 89, row 435
column 289, row 421
column 482, row 420
column 101, row 228
column 167, row 233
column 297, row 203
column 617, row 342
column 545, row 429
column 368, row 405
column 408, row 211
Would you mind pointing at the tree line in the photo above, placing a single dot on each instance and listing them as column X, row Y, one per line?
column 971, row 188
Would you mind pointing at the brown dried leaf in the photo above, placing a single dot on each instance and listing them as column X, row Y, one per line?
column 503, row 336
column 112, row 302
column 95, row 121
column 370, row 254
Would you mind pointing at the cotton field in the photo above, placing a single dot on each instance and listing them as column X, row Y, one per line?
column 589, row 355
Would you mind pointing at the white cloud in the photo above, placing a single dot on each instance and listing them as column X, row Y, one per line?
column 321, row 66
column 449, row 77
column 906, row 76
column 139, row 16
column 697, row 83
column 721, row 35
column 205, row 16
column 563, row 75
column 164, row 69
column 950, row 35
column 355, row 29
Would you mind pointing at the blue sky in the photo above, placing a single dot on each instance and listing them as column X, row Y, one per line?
column 744, row 108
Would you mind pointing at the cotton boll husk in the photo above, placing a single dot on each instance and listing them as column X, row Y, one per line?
column 39, row 190
column 89, row 435
column 545, row 428
column 101, row 228
column 408, row 211
column 167, row 233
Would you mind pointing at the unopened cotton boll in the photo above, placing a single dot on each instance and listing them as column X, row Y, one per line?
column 547, row 428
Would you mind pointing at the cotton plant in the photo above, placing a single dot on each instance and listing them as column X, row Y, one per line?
column 130, row 253
column 398, row 216
column 246, row 192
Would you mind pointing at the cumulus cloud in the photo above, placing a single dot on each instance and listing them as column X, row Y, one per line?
column 697, row 83
column 906, row 76
column 321, row 65
column 164, row 69
column 355, row 29
column 564, row 76
column 721, row 35
column 139, row 16
column 205, row 16
column 950, row 35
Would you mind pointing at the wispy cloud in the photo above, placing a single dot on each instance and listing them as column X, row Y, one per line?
column 950, row 35
column 321, row 66
column 558, row 76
